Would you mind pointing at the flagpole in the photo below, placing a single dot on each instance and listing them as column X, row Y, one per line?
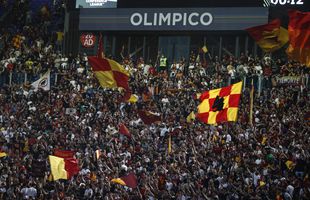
column 169, row 144
column 251, row 103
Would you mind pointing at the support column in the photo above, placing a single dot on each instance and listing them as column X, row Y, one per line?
column 204, row 40
column 113, row 46
column 220, row 47
column 255, row 49
column 56, row 77
column 244, row 82
column 25, row 78
column 148, row 54
column 237, row 49
column 105, row 42
column 144, row 45
column 259, row 85
column 10, row 80
column 128, row 45
column 246, row 46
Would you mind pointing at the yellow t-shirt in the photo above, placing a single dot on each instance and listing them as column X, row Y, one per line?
column 60, row 36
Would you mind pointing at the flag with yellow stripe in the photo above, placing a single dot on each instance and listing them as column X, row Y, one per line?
column 220, row 105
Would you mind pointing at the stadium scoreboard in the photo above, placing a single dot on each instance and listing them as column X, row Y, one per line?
column 96, row 3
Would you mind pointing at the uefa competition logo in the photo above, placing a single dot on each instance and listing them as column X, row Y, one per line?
column 171, row 19
column 96, row 2
column 43, row 83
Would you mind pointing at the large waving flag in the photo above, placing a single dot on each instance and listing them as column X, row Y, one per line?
column 63, row 168
column 43, row 83
column 270, row 37
column 130, row 180
column 220, row 105
column 299, row 34
column 109, row 73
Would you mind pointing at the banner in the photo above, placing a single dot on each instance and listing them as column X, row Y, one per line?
column 288, row 80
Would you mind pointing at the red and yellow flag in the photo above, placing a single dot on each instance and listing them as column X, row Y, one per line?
column 130, row 180
column 220, row 105
column 299, row 34
column 109, row 73
column 63, row 168
column 270, row 37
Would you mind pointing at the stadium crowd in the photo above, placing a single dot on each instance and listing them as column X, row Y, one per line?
column 266, row 159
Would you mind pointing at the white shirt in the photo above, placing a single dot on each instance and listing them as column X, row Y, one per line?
column 163, row 131
column 88, row 193
column 228, row 138
column 169, row 186
column 290, row 190
column 255, row 179
column 29, row 192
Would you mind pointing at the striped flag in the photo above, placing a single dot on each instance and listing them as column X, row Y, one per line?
column 220, row 105
column 63, row 168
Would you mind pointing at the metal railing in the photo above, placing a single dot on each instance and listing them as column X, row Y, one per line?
column 260, row 82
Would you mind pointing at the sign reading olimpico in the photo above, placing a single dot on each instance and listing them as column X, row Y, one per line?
column 171, row 19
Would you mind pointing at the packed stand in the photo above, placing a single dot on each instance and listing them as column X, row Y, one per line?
column 266, row 160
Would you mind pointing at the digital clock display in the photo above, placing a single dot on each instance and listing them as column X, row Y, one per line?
column 284, row 2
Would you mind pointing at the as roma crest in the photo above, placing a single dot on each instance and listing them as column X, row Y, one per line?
column 88, row 40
